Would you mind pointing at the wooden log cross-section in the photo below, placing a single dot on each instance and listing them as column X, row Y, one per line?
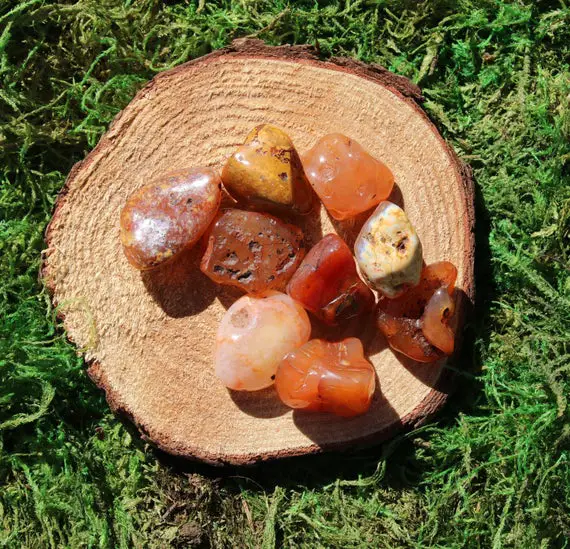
column 148, row 338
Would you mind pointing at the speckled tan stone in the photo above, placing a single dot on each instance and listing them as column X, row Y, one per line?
column 266, row 173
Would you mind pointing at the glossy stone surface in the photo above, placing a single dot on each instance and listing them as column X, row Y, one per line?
column 327, row 377
column 388, row 250
column 253, row 251
column 327, row 284
column 417, row 323
column 255, row 334
column 347, row 179
column 435, row 320
column 168, row 216
column 266, row 173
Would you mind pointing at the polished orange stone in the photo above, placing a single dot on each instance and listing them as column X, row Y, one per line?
column 435, row 320
column 327, row 377
column 169, row 215
column 253, row 251
column 347, row 179
column 416, row 324
column 254, row 335
column 327, row 284
column 265, row 173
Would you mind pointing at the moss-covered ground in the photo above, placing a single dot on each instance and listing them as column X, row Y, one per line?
column 493, row 471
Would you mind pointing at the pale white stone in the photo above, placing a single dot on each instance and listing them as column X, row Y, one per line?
column 254, row 336
column 388, row 250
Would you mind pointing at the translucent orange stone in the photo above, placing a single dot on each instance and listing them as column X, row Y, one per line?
column 253, row 251
column 347, row 179
column 168, row 216
column 439, row 309
column 254, row 335
column 328, row 285
column 327, row 377
column 416, row 324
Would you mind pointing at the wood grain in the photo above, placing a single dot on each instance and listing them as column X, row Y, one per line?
column 149, row 338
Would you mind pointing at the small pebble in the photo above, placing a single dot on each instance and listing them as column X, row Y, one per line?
column 388, row 251
column 253, row 251
column 266, row 173
column 255, row 334
column 416, row 324
column 168, row 216
column 347, row 179
column 327, row 377
column 327, row 284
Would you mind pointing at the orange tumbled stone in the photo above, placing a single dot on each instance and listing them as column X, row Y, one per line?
column 416, row 324
column 253, row 251
column 168, row 216
column 327, row 284
column 347, row 179
column 266, row 173
column 327, row 377
column 254, row 335
column 435, row 320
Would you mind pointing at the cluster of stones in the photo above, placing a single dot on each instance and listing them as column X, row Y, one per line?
column 264, row 337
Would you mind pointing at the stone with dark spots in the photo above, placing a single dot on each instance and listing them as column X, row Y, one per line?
column 265, row 173
column 253, row 251
column 416, row 323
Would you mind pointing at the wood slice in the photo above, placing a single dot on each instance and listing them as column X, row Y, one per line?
column 149, row 338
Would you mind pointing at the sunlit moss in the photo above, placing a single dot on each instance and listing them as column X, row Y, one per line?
column 493, row 472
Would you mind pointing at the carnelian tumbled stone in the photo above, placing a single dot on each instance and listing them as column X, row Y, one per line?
column 347, row 179
column 253, row 251
column 327, row 377
column 255, row 334
column 435, row 320
column 328, row 285
column 416, row 324
column 266, row 173
column 168, row 216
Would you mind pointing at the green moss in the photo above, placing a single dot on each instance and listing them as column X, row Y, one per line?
column 492, row 472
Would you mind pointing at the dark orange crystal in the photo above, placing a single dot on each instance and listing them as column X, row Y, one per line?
column 327, row 377
column 253, row 251
column 417, row 323
column 328, row 285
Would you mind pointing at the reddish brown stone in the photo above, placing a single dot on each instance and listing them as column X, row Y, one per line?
column 435, row 320
column 327, row 377
column 252, row 251
column 328, row 285
column 418, row 320
column 168, row 216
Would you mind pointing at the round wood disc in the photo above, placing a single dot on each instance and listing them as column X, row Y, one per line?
column 149, row 338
